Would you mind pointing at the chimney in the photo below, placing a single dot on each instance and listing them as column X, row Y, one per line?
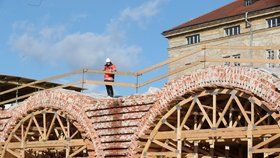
column 249, row 2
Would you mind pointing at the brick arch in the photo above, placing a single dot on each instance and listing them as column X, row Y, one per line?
column 71, row 103
column 249, row 80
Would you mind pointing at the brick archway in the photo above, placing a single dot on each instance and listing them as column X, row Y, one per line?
column 252, row 81
column 68, row 102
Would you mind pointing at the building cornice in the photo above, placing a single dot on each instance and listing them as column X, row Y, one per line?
column 221, row 22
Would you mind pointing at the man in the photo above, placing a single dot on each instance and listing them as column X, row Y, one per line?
column 109, row 67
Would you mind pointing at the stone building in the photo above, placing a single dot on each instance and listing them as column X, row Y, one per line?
column 240, row 23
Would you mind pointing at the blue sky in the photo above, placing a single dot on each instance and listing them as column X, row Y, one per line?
column 41, row 38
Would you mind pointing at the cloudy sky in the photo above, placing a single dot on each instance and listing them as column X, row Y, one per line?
column 40, row 38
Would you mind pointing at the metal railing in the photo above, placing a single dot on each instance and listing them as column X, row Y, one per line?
column 202, row 59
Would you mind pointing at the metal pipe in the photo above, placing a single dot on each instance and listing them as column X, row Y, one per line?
column 251, row 36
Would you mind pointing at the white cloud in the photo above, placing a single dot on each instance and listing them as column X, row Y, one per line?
column 140, row 13
column 79, row 17
column 55, row 45
column 77, row 49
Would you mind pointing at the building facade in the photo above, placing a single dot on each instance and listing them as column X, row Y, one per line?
column 240, row 23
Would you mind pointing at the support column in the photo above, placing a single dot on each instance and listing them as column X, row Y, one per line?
column 227, row 148
column 249, row 132
column 212, row 148
column 178, row 130
column 22, row 141
column 196, row 149
column 249, row 147
column 265, row 155
column 214, row 110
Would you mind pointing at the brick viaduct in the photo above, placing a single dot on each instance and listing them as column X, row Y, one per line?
column 114, row 126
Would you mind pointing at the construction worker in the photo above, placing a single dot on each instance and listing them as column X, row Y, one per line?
column 109, row 67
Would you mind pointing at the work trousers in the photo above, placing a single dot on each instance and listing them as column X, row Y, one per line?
column 109, row 88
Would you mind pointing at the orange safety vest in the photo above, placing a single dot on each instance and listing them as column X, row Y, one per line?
column 110, row 68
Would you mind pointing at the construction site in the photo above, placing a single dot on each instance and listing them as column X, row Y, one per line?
column 221, row 98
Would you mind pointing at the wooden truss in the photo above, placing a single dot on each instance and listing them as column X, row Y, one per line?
column 45, row 134
column 215, row 123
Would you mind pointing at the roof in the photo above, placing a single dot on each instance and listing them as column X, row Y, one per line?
column 233, row 9
column 8, row 82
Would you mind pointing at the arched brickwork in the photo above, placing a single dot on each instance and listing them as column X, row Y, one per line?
column 252, row 81
column 70, row 103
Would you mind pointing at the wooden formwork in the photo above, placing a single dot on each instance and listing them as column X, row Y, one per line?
column 214, row 123
column 45, row 133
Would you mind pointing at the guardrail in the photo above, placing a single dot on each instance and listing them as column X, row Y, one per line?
column 205, row 58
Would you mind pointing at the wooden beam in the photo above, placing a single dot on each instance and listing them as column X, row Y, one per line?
column 123, row 84
column 47, row 144
column 204, row 113
column 266, row 142
column 124, row 73
column 170, row 73
column 28, row 95
column 43, row 80
column 243, row 47
column 78, row 151
column 167, row 154
column 164, row 145
column 38, row 127
column 242, row 110
column 267, row 150
column 51, row 126
column 225, row 110
column 221, row 133
column 242, row 60
column 169, row 61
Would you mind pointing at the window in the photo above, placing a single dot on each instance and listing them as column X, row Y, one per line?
column 227, row 63
column 235, row 56
column 231, row 31
column 273, row 22
column 271, row 54
column 248, row 2
column 193, row 39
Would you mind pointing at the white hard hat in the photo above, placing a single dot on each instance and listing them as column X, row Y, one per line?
column 108, row 60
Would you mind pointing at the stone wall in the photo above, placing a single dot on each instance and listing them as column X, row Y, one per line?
column 215, row 36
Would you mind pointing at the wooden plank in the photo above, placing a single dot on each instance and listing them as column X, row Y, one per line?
column 13, row 153
column 91, row 82
column 47, row 144
column 177, row 70
column 167, row 154
column 61, row 125
column 224, row 111
column 38, row 127
column 164, row 145
column 243, row 47
column 78, row 151
column 204, row 113
column 186, row 117
column 51, row 126
column 242, row 110
column 28, row 95
column 27, row 129
column 221, row 133
column 214, row 110
column 127, row 73
column 242, row 60
column 267, row 141
column 267, row 150
column 43, row 80
column 21, row 84
column 262, row 119
column 166, row 62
